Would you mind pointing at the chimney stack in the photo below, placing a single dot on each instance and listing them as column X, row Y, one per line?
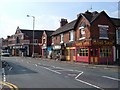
column 63, row 22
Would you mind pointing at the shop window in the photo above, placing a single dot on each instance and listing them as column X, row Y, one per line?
column 82, row 52
column 105, row 52
column 103, row 31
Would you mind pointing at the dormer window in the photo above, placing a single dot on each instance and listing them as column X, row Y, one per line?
column 103, row 31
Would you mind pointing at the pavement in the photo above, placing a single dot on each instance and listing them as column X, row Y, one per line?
column 85, row 64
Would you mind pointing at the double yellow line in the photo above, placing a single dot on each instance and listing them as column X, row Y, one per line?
column 10, row 85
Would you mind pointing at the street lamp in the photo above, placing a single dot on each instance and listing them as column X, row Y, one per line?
column 33, row 32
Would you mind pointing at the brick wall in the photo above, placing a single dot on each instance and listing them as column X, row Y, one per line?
column 102, row 20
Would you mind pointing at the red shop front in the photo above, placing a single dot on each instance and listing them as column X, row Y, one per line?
column 94, row 52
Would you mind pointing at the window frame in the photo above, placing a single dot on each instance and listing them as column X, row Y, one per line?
column 103, row 31
column 71, row 36
column 61, row 38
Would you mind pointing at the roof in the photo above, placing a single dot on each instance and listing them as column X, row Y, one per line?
column 29, row 33
column 116, row 21
column 66, row 27
column 90, row 16
column 49, row 32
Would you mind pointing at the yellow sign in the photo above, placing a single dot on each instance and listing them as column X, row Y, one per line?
column 86, row 43
column 106, row 43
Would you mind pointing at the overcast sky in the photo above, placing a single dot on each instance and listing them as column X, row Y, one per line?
column 47, row 14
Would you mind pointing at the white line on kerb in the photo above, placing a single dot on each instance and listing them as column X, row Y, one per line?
column 4, row 77
column 111, row 78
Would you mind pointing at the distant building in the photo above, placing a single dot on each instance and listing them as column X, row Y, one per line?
column 46, row 43
column 21, row 43
column 1, row 39
column 116, row 22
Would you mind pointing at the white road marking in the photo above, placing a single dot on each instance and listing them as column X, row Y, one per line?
column 71, row 74
column 4, row 77
column 111, row 78
column 76, row 78
column 36, row 65
column 64, row 70
column 53, row 66
column 78, row 75
column 10, row 68
column 23, row 70
column 50, row 70
column 89, row 84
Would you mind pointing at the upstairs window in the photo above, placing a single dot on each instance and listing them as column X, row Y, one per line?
column 35, row 41
column 52, row 40
column 17, row 40
column 103, row 31
column 82, row 31
column 71, row 35
column 118, row 36
column 61, row 38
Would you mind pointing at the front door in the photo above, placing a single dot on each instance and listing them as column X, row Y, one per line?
column 94, row 56
column 72, row 54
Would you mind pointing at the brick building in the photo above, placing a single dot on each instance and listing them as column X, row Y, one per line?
column 90, row 38
column 116, row 22
column 21, row 43
column 46, row 43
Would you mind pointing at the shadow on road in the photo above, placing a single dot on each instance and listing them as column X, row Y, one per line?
column 13, row 69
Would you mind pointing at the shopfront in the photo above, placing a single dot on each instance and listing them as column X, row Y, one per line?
column 70, row 52
column 82, row 51
column 102, row 53
column 92, row 52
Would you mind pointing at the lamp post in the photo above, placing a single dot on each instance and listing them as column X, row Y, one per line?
column 33, row 32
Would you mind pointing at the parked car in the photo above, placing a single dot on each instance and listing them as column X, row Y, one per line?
column 5, row 53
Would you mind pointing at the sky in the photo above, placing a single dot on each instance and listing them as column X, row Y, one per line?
column 47, row 14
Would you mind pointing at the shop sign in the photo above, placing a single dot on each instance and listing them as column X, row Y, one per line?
column 86, row 43
column 105, row 43
column 16, row 47
column 70, row 48
column 56, row 47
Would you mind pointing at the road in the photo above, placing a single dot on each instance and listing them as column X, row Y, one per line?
column 41, row 73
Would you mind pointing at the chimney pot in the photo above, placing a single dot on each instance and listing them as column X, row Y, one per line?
column 63, row 22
